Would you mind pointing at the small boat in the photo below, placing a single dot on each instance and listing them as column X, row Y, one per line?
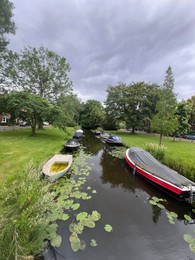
column 160, row 175
column 104, row 135
column 97, row 132
column 72, row 144
column 57, row 166
column 78, row 135
column 79, row 131
column 114, row 140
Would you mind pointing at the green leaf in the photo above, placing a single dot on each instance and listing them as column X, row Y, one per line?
column 187, row 217
column 75, row 206
column 95, row 215
column 152, row 202
column 93, row 242
column 188, row 238
column 160, row 206
column 94, row 191
column 56, row 241
column 81, row 216
column 108, row 228
column 65, row 217
column 75, row 243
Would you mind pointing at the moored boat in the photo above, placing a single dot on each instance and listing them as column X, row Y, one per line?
column 78, row 135
column 57, row 166
column 114, row 140
column 72, row 144
column 104, row 135
column 160, row 175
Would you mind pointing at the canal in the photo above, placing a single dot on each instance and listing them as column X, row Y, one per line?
column 140, row 230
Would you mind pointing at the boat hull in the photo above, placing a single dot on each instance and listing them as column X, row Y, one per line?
column 59, row 158
column 181, row 193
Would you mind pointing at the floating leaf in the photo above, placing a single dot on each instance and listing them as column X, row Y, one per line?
column 75, row 243
column 56, row 241
column 188, row 238
column 93, row 242
column 108, row 228
column 65, row 217
column 82, row 215
column 187, row 217
column 95, row 215
column 75, row 206
column 88, row 188
column 152, row 202
column 160, row 206
column 94, row 191
column 155, row 198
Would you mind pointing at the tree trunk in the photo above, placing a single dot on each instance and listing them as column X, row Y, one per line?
column 160, row 143
column 40, row 124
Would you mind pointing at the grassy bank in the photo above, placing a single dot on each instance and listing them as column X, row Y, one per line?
column 180, row 154
column 18, row 147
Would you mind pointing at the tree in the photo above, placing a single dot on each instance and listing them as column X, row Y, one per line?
column 133, row 103
column 183, row 113
column 165, row 121
column 92, row 114
column 191, row 103
column 41, row 72
column 71, row 106
column 6, row 23
column 28, row 107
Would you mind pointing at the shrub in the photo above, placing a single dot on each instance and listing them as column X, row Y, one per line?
column 158, row 151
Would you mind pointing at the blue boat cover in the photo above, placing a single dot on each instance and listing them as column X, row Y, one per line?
column 147, row 162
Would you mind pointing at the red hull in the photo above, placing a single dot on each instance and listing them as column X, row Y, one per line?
column 154, row 179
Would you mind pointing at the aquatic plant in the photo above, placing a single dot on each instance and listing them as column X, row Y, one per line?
column 118, row 152
column 29, row 208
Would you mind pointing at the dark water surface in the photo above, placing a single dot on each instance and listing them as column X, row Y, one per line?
column 140, row 230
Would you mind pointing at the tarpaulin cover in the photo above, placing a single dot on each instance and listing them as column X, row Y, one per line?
column 147, row 162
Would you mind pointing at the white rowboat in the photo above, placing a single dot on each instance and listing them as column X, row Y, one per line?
column 57, row 166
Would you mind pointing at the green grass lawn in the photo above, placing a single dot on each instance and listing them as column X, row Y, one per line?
column 19, row 147
column 180, row 150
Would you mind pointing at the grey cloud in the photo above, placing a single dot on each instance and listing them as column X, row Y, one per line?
column 110, row 41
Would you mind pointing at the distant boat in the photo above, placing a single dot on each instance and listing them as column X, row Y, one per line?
column 160, row 175
column 114, row 140
column 97, row 132
column 104, row 135
column 79, row 131
column 57, row 166
column 78, row 135
column 72, row 144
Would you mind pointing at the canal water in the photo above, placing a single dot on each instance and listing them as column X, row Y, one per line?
column 140, row 230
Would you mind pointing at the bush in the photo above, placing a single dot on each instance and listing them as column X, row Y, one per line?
column 24, row 227
column 158, row 151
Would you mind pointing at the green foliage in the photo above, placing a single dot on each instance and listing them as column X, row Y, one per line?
column 108, row 228
column 24, row 221
column 27, row 106
column 183, row 113
column 132, row 103
column 156, row 202
column 171, row 216
column 28, row 218
column 165, row 121
column 92, row 114
column 118, row 152
column 191, row 241
column 158, row 151
column 6, row 23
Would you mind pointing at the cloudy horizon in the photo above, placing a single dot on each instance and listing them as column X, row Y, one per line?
column 106, row 42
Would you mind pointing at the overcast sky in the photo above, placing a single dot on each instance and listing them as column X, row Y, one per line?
column 111, row 41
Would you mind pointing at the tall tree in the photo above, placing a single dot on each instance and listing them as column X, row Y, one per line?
column 6, row 23
column 28, row 107
column 92, row 114
column 183, row 113
column 165, row 121
column 191, row 103
column 41, row 72
column 133, row 103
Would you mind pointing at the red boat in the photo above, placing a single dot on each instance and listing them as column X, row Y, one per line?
column 160, row 175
